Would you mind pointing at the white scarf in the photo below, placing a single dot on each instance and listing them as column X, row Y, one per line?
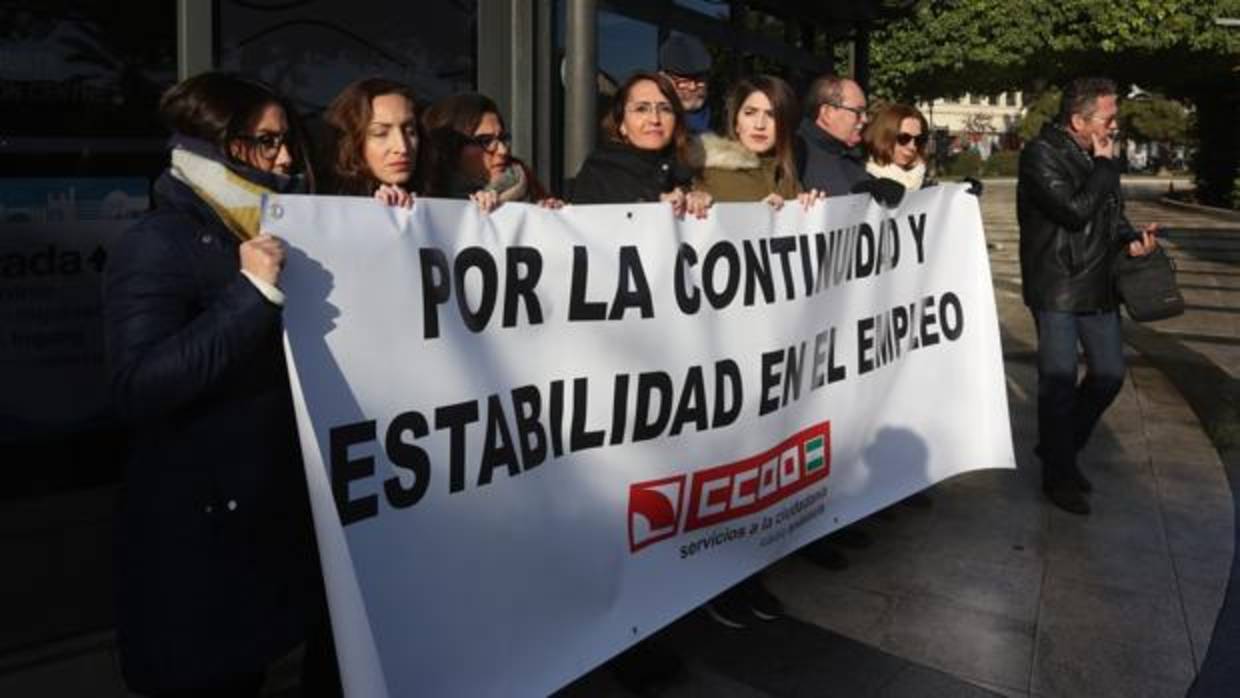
column 912, row 178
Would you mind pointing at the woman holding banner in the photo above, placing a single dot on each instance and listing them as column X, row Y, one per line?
column 753, row 161
column 896, row 142
column 642, row 157
column 468, row 154
column 218, row 574
column 373, row 145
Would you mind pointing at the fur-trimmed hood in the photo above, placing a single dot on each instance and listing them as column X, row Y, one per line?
column 709, row 150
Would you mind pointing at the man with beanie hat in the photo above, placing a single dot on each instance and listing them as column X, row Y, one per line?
column 686, row 62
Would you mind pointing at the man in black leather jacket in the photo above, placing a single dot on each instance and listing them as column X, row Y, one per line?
column 1072, row 227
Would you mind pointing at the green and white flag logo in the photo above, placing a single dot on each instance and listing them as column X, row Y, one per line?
column 814, row 454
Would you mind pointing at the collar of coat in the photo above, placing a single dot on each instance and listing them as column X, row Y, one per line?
column 1059, row 137
column 814, row 135
column 716, row 152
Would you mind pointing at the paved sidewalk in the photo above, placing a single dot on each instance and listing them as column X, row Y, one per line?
column 993, row 591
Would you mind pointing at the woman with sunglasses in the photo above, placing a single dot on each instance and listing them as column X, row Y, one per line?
column 896, row 142
column 643, row 153
column 469, row 155
column 373, row 144
column 218, row 575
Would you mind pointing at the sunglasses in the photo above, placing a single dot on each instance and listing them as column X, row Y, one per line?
column 906, row 138
column 491, row 141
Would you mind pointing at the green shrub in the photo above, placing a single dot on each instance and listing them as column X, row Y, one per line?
column 966, row 163
column 1002, row 164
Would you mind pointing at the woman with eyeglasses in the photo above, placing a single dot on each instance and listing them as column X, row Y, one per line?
column 469, row 155
column 218, row 574
column 896, row 141
column 373, row 148
column 643, row 153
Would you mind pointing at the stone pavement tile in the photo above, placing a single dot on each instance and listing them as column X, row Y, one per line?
column 991, row 540
column 701, row 681
column 919, row 682
column 1124, row 525
column 1007, row 588
column 967, row 643
column 1135, row 489
column 1072, row 662
column 1201, row 608
column 885, row 568
column 815, row 596
column 1102, row 561
column 1189, row 460
column 1114, row 613
column 1204, row 575
column 786, row 658
column 1194, row 486
column 1196, row 530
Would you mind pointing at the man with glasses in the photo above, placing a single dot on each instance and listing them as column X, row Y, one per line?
column 828, row 156
column 1072, row 227
column 686, row 62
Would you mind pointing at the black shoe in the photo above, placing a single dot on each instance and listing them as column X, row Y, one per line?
column 763, row 604
column 1079, row 479
column 1068, row 498
column 825, row 555
column 920, row 500
column 852, row 537
column 728, row 609
column 644, row 665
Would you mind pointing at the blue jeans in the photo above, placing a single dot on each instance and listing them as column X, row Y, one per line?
column 1069, row 410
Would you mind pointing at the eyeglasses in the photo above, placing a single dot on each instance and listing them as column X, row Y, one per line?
column 859, row 112
column 683, row 81
column 648, row 108
column 268, row 144
column 906, row 138
column 490, row 141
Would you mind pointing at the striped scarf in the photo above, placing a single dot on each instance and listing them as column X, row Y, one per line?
column 235, row 192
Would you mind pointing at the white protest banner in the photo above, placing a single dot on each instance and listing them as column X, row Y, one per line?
column 535, row 437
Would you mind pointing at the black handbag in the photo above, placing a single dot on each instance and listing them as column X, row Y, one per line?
column 1147, row 286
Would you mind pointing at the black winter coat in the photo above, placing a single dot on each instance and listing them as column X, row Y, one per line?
column 617, row 173
column 217, row 570
column 825, row 163
column 1072, row 225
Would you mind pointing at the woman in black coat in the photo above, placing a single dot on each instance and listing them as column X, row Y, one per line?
column 217, row 568
column 642, row 156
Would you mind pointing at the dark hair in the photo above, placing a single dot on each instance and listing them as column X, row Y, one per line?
column 449, row 125
column 348, row 117
column 783, row 102
column 1081, row 97
column 221, row 108
column 826, row 89
column 880, row 135
column 615, row 114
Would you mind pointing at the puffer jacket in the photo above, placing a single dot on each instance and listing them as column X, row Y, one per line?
column 731, row 172
column 1072, row 225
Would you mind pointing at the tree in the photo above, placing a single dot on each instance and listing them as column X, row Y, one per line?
column 949, row 47
column 1154, row 120
column 1038, row 112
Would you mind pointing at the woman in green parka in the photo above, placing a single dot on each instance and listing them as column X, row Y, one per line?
column 754, row 161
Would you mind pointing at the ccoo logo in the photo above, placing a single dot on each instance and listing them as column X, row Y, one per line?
column 659, row 509
column 654, row 510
